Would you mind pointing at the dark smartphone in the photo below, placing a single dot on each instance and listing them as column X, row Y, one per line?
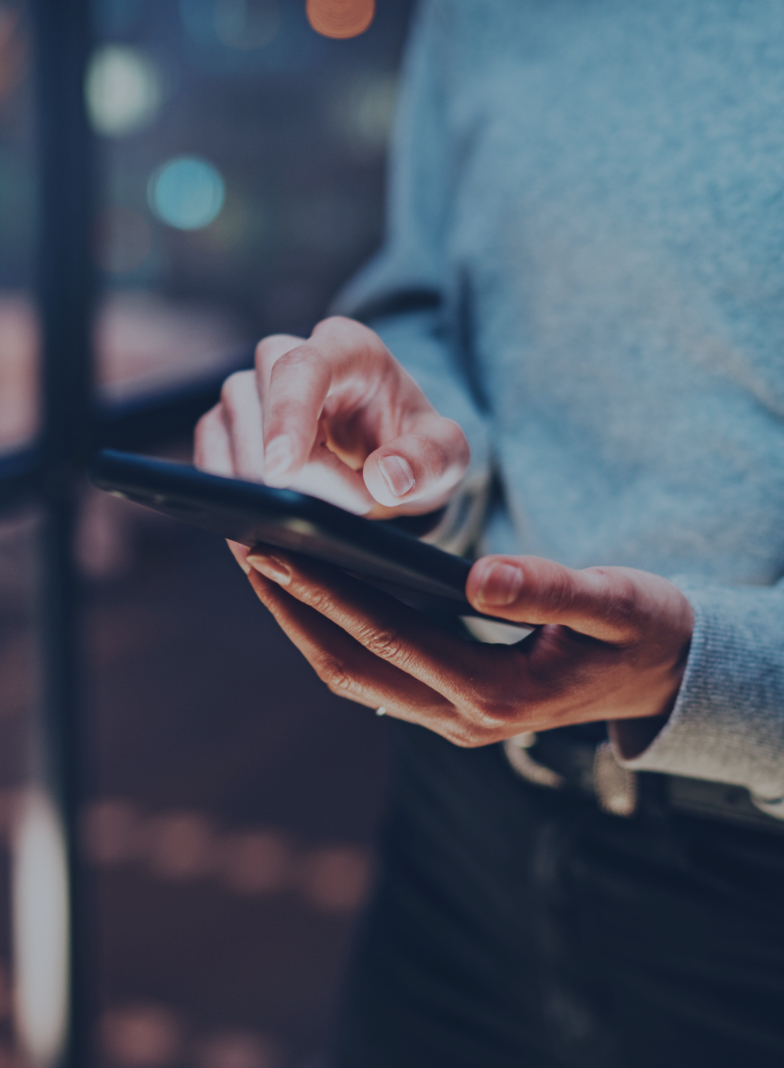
column 388, row 558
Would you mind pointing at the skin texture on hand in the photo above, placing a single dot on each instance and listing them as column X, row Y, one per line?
column 335, row 416
column 612, row 645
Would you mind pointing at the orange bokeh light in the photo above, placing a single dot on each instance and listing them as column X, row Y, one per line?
column 340, row 18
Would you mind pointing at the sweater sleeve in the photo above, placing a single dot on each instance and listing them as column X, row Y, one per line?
column 728, row 721
column 405, row 293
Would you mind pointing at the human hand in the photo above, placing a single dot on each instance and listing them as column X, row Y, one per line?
column 335, row 416
column 612, row 645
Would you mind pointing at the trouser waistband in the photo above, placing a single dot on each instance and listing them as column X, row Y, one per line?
column 555, row 760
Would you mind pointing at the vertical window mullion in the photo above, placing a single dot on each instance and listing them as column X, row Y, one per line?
column 65, row 283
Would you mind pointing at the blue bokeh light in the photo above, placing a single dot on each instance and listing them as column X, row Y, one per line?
column 186, row 192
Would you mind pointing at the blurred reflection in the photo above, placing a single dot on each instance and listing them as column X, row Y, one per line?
column 123, row 90
column 40, row 929
column 187, row 192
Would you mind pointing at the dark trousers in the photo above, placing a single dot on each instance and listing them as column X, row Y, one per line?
column 515, row 926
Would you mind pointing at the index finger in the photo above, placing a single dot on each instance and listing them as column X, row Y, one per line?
column 387, row 628
column 296, row 385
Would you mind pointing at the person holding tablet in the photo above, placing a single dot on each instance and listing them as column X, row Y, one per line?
column 567, row 356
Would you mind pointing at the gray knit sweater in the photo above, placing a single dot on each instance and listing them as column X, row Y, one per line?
column 585, row 268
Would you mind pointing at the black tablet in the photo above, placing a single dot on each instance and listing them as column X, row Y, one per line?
column 249, row 513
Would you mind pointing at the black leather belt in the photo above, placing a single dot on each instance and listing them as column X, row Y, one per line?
column 557, row 760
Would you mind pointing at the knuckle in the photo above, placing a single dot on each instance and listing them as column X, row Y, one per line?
column 305, row 355
column 430, row 455
column 561, row 590
column 333, row 673
column 626, row 598
column 435, row 458
column 622, row 598
column 384, row 643
column 317, row 598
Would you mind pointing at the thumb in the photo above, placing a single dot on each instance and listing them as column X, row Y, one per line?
column 421, row 467
column 612, row 604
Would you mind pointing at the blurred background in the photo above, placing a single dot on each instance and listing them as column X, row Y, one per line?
column 231, row 802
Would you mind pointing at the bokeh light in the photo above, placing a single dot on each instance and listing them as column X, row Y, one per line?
column 256, row 862
column 13, row 50
column 123, row 90
column 187, row 192
column 141, row 1036
column 20, row 343
column 336, row 878
column 363, row 111
column 246, row 24
column 181, row 845
column 340, row 18
column 238, row 1049
column 110, row 832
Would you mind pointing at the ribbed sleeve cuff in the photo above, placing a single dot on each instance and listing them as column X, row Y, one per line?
column 728, row 721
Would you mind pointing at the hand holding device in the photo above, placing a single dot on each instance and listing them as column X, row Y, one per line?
column 338, row 417
column 612, row 644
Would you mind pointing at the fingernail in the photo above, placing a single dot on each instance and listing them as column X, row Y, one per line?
column 270, row 567
column 501, row 584
column 397, row 474
column 244, row 565
column 278, row 456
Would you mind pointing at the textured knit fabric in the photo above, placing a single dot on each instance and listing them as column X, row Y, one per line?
column 585, row 268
